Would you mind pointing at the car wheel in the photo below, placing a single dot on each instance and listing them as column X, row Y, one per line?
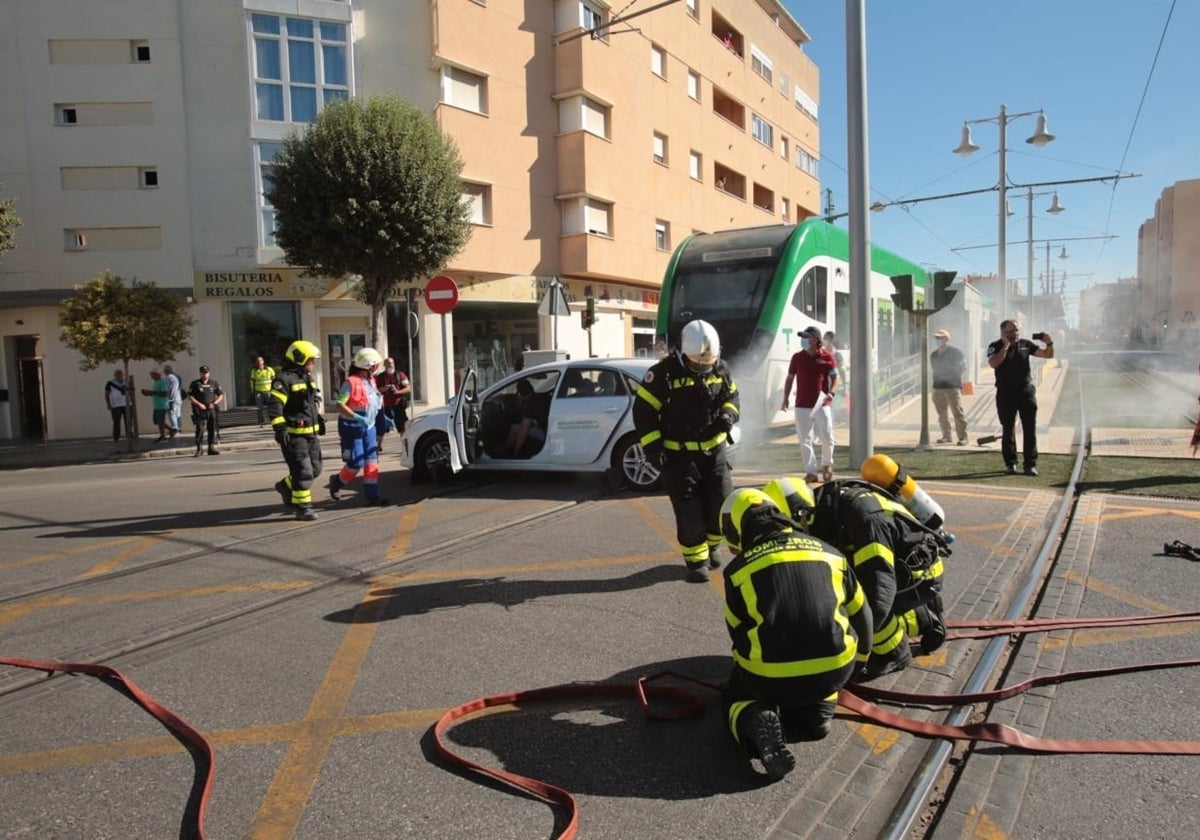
column 630, row 464
column 431, row 459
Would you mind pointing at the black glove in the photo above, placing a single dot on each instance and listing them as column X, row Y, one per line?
column 655, row 454
column 320, row 424
column 722, row 423
column 281, row 435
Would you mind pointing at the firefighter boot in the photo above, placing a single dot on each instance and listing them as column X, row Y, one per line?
column 305, row 513
column 285, row 493
column 766, row 734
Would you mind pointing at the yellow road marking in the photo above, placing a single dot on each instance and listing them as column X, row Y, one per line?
column 878, row 738
column 1117, row 635
column 555, row 566
column 979, row 826
column 128, row 554
column 55, row 555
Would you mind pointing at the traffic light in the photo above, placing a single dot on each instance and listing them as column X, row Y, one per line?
column 903, row 296
column 587, row 315
column 942, row 294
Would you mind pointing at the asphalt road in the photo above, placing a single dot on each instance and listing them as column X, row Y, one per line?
column 317, row 656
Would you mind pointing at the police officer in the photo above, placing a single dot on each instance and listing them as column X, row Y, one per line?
column 795, row 615
column 295, row 412
column 205, row 395
column 684, row 411
column 896, row 560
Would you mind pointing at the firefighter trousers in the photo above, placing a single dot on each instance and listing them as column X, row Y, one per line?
column 303, row 456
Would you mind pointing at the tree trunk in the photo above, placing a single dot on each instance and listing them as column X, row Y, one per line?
column 379, row 337
column 130, row 391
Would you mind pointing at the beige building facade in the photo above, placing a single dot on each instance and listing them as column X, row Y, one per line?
column 1169, row 270
column 136, row 136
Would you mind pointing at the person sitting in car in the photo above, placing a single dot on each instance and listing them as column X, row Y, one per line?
column 525, row 437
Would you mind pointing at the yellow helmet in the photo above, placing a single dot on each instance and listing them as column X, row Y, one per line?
column 737, row 505
column 299, row 352
column 794, row 497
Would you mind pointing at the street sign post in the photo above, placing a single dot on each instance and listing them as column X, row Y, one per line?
column 441, row 296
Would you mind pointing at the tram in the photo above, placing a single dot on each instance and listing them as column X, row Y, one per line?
column 760, row 287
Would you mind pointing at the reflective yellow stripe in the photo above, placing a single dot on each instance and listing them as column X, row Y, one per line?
column 302, row 430
column 300, row 386
column 650, row 398
column 803, row 668
column 874, row 550
column 651, row 437
column 889, row 638
column 932, row 573
column 275, row 421
column 694, row 554
column 279, row 395
column 695, row 445
column 735, row 712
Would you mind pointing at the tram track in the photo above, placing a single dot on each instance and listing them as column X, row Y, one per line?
column 208, row 619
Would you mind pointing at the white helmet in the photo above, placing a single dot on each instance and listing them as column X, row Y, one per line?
column 700, row 346
column 367, row 358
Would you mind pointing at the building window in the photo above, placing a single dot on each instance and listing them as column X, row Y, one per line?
column 660, row 148
column 75, row 240
column 300, row 66
column 265, row 153
column 139, row 52
column 760, row 64
column 479, row 198
column 783, row 148
column 591, row 16
column 65, row 115
column 694, row 85
column 785, row 209
column 586, row 215
column 785, row 85
column 258, row 328
column 579, row 113
column 762, row 131
column 695, row 164
column 658, row 61
column 805, row 103
column 662, row 235
column 693, row 8
column 464, row 89
column 806, row 162
column 148, row 177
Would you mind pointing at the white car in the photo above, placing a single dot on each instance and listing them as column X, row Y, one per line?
column 580, row 419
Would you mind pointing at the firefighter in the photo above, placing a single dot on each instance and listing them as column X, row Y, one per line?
column 795, row 614
column 897, row 561
column 684, row 412
column 295, row 412
column 359, row 404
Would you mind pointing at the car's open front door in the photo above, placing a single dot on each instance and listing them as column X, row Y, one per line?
column 462, row 426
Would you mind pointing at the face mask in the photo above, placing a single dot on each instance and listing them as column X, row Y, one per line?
column 942, row 342
column 390, row 369
column 804, row 343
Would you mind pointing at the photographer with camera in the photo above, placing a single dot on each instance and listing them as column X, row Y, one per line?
column 1016, row 395
column 393, row 384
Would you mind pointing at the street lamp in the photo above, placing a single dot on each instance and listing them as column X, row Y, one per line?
column 966, row 146
column 1055, row 208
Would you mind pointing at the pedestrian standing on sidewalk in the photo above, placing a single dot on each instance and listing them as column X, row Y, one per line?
column 175, row 395
column 1016, row 394
column 161, row 404
column 393, row 384
column 814, row 371
column 946, row 367
column 114, row 398
column 261, row 377
column 205, row 395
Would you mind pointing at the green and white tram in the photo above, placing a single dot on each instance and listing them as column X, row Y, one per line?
column 761, row 286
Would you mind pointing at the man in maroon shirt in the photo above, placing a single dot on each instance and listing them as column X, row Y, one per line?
column 393, row 384
column 814, row 371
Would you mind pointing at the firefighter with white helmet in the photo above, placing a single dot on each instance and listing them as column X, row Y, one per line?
column 795, row 615
column 359, row 405
column 684, row 412
column 295, row 411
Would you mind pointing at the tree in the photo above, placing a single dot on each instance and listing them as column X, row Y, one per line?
column 108, row 323
column 371, row 189
column 9, row 222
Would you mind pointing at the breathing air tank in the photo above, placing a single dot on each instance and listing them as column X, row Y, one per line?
column 883, row 472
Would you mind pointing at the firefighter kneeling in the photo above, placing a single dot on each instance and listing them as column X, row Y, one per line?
column 295, row 411
column 795, row 615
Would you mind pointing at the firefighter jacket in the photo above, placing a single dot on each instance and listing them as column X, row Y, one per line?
column 889, row 550
column 682, row 411
column 295, row 401
column 791, row 602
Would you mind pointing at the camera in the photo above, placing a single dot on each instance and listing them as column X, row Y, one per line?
column 1039, row 336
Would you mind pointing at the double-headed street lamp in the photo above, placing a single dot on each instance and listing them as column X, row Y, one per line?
column 1054, row 208
column 966, row 146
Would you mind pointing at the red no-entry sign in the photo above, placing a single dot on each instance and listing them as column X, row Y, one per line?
column 441, row 294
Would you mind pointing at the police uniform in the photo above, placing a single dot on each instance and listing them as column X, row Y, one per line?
column 896, row 561
column 205, row 420
column 687, row 417
column 295, row 407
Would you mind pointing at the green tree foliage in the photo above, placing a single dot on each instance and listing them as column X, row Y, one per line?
column 9, row 222
column 372, row 188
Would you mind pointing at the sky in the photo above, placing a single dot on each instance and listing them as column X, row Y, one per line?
column 1117, row 80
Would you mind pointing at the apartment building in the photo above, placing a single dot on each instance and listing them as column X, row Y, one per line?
column 137, row 135
column 1169, row 270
